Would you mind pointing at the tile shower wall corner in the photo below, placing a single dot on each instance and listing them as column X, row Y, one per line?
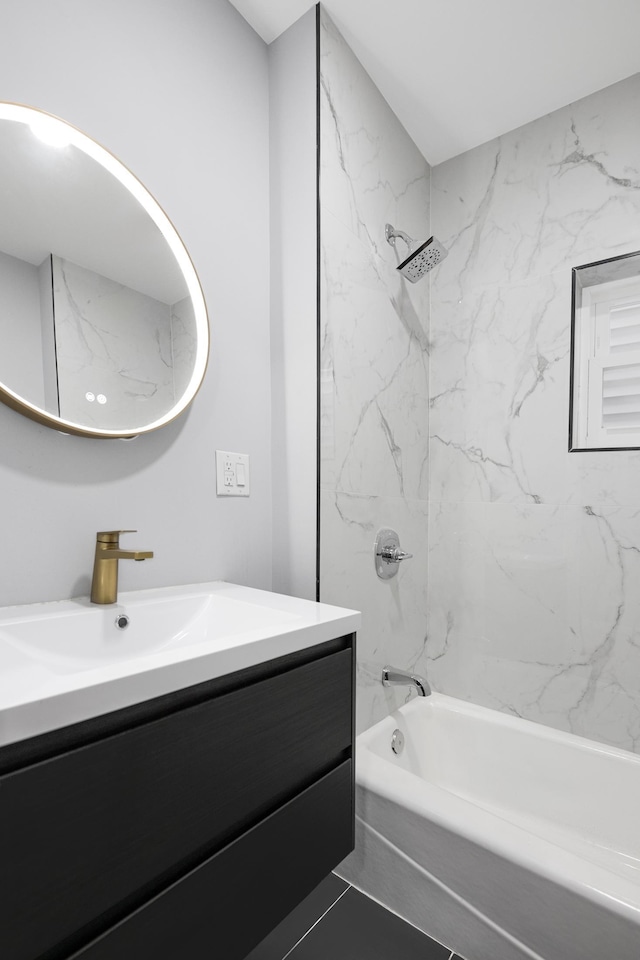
column 533, row 550
column 374, row 367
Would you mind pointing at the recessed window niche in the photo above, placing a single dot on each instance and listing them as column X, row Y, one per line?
column 605, row 355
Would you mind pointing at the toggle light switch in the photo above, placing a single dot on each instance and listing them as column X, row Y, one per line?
column 232, row 474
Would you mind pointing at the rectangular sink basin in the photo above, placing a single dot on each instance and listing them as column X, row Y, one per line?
column 71, row 660
column 79, row 635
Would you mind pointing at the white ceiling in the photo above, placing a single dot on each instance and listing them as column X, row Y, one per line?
column 460, row 72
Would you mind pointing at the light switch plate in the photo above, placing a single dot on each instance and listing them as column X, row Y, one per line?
column 232, row 474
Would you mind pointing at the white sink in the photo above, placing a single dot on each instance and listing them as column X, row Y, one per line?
column 66, row 661
column 77, row 634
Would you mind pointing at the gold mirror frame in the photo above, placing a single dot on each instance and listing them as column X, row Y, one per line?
column 73, row 136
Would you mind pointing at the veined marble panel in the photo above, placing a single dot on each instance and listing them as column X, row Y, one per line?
column 371, row 171
column 534, row 551
column 516, row 214
column 533, row 610
column 375, row 371
column 499, row 385
column 499, row 417
column 394, row 612
column 374, row 325
column 558, row 192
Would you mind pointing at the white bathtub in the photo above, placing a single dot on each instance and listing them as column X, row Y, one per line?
column 501, row 838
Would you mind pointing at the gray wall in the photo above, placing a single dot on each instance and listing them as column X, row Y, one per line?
column 20, row 328
column 158, row 83
column 292, row 77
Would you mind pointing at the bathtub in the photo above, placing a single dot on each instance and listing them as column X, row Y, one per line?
column 501, row 838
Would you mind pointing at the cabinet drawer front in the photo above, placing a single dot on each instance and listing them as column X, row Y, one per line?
column 226, row 906
column 93, row 833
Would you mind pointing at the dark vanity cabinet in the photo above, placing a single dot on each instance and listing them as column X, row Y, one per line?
column 185, row 827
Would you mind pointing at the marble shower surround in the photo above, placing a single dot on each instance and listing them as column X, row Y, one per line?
column 534, row 559
column 374, row 369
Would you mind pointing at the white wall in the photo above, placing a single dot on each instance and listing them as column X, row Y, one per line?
column 292, row 77
column 178, row 91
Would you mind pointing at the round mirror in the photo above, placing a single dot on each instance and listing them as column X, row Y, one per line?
column 103, row 325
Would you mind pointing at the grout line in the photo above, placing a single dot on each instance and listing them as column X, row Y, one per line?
column 312, row 927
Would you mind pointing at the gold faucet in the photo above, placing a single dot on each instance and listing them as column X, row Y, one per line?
column 104, row 586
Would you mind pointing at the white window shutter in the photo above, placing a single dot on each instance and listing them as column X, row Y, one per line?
column 614, row 374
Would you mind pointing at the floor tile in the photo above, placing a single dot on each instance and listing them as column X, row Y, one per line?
column 293, row 927
column 357, row 927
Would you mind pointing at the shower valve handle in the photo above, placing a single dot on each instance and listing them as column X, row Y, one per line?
column 388, row 553
column 394, row 554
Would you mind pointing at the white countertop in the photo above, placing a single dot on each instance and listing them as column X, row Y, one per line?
column 65, row 661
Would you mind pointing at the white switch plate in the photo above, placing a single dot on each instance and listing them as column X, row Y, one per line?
column 231, row 470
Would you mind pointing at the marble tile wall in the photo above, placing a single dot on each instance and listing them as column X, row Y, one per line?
column 534, row 552
column 112, row 341
column 183, row 344
column 374, row 370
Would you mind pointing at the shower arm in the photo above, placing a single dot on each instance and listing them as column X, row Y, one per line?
column 391, row 235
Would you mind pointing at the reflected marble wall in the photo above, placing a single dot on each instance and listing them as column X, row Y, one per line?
column 374, row 370
column 110, row 341
column 183, row 344
column 534, row 552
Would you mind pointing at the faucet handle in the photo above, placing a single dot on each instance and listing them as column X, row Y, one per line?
column 391, row 554
column 111, row 536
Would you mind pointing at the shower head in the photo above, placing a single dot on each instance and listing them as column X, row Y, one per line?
column 421, row 260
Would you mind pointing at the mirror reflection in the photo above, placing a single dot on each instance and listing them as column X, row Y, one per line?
column 98, row 326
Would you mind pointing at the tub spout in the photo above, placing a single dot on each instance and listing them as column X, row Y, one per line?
column 391, row 676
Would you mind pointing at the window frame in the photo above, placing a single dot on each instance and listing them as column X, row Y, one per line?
column 592, row 285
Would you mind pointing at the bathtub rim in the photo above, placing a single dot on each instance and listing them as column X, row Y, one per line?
column 483, row 827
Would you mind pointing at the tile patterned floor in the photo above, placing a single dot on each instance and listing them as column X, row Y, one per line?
column 338, row 922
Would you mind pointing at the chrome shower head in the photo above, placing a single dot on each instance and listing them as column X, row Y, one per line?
column 421, row 260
